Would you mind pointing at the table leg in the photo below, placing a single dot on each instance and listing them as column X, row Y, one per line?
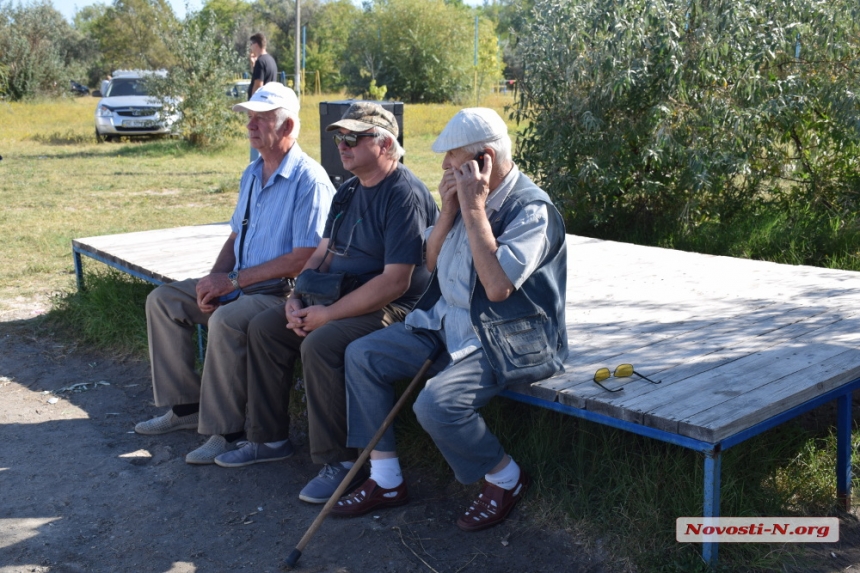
column 712, row 500
column 79, row 270
column 843, row 450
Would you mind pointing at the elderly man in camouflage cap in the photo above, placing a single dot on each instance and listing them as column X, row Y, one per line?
column 375, row 235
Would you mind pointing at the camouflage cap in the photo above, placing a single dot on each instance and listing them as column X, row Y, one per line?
column 365, row 115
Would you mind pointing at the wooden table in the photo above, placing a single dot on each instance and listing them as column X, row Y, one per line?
column 739, row 346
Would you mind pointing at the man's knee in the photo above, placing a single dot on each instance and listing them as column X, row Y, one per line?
column 430, row 410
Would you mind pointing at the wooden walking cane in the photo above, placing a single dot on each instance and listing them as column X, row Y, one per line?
column 291, row 561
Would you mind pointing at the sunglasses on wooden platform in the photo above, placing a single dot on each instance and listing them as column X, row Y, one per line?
column 623, row 371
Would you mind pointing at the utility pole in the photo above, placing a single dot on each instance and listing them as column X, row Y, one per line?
column 298, row 81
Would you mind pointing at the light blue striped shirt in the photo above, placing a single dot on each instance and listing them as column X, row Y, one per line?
column 287, row 213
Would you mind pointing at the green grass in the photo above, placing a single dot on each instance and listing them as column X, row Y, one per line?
column 621, row 490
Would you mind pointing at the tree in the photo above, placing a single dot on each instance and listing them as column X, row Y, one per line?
column 195, row 83
column 39, row 50
column 670, row 113
column 423, row 51
column 132, row 34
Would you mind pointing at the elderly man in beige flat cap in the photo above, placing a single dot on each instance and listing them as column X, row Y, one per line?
column 495, row 303
column 374, row 241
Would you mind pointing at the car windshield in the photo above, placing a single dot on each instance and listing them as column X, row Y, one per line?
column 126, row 87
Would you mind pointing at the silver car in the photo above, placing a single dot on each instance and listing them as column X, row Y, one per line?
column 127, row 110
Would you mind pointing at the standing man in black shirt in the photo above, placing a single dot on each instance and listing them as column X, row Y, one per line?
column 265, row 71
column 265, row 68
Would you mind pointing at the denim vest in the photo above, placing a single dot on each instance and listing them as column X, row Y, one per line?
column 524, row 336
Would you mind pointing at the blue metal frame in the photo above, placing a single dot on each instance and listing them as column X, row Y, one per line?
column 713, row 450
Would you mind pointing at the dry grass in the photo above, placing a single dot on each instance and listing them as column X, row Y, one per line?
column 57, row 184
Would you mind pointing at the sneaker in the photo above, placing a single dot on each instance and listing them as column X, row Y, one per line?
column 321, row 488
column 206, row 454
column 248, row 453
column 169, row 422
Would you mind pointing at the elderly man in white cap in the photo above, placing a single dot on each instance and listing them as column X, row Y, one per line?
column 496, row 305
column 284, row 198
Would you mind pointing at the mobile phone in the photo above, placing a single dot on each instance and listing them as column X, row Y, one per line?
column 480, row 159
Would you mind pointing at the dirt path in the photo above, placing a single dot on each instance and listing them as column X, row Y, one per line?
column 82, row 492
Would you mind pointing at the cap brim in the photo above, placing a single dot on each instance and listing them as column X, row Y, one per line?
column 351, row 125
column 257, row 106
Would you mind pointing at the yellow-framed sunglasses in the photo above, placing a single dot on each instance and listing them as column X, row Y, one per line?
column 623, row 371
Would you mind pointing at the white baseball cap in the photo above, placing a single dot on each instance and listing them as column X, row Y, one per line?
column 470, row 125
column 271, row 96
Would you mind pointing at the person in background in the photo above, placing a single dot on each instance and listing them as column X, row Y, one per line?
column 264, row 69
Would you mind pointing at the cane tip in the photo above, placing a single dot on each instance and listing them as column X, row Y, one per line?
column 291, row 561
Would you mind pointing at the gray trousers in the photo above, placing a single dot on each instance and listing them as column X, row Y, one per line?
column 171, row 316
column 272, row 352
column 447, row 407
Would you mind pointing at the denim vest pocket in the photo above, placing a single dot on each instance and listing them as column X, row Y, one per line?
column 523, row 340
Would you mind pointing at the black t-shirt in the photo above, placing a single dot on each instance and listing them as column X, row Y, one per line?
column 265, row 70
column 382, row 225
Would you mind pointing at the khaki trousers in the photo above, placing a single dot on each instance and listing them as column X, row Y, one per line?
column 171, row 316
column 272, row 352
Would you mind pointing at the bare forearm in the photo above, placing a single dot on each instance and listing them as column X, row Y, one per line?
column 226, row 258
column 288, row 265
column 437, row 239
column 374, row 294
column 484, row 246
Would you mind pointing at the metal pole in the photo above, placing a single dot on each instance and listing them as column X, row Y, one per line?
column 297, row 83
column 476, row 61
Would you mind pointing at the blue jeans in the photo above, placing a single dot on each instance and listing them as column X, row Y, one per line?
column 446, row 408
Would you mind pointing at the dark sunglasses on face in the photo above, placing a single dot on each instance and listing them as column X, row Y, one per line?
column 351, row 139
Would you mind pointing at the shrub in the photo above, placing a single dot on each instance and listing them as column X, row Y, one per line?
column 655, row 114
column 195, row 86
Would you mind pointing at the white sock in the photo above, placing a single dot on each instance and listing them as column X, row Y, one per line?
column 507, row 477
column 386, row 473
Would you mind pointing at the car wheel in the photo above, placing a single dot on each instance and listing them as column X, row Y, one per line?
column 111, row 138
column 99, row 137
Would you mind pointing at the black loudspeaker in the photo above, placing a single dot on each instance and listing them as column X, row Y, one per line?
column 332, row 111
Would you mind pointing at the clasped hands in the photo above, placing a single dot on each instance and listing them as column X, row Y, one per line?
column 303, row 319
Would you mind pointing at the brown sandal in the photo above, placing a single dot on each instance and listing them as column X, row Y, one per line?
column 368, row 497
column 493, row 505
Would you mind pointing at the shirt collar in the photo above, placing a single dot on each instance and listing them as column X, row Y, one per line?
column 288, row 164
column 498, row 195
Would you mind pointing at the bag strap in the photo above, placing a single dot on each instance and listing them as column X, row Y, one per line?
column 244, row 229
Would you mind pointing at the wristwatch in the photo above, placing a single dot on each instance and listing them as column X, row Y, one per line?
column 234, row 278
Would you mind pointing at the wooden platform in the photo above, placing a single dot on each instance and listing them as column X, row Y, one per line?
column 738, row 346
column 734, row 341
column 159, row 256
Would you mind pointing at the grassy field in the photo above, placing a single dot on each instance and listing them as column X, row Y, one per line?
column 624, row 491
column 57, row 183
